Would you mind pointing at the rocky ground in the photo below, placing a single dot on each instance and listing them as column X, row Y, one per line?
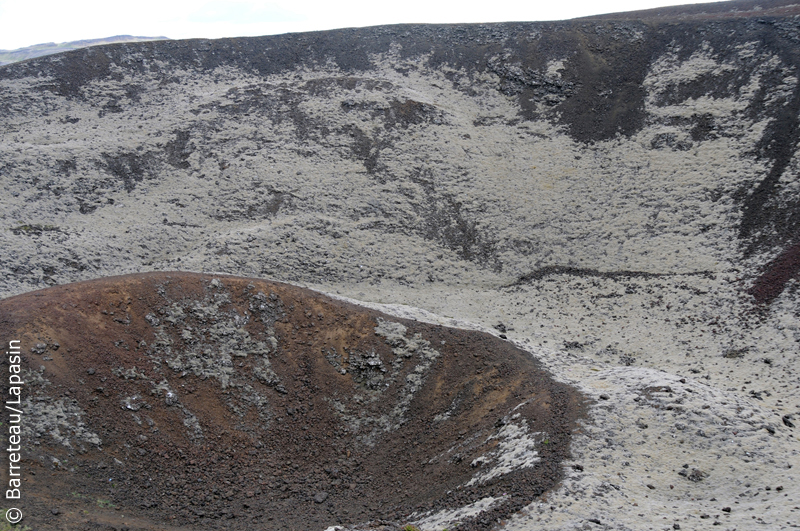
column 616, row 196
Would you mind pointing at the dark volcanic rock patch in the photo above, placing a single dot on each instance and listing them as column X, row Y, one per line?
column 224, row 402
column 772, row 281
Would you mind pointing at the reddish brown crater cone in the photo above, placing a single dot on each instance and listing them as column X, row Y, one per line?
column 198, row 402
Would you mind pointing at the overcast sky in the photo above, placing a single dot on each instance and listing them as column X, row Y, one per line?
column 24, row 23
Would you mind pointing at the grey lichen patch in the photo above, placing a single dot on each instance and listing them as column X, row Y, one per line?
column 250, row 398
column 513, row 446
column 451, row 410
column 400, row 377
column 407, row 347
column 35, row 380
column 268, row 308
column 60, row 419
column 219, row 336
column 131, row 373
column 394, row 333
column 195, row 430
column 265, row 374
column 134, row 403
column 163, row 389
column 367, row 369
column 210, row 339
column 358, row 419
column 335, row 359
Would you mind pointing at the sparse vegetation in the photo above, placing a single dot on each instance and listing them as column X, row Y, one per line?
column 105, row 504
column 6, row 526
column 34, row 229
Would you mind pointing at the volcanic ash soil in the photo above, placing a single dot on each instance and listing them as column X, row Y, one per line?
column 191, row 401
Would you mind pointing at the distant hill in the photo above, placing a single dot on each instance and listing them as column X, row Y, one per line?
column 38, row 50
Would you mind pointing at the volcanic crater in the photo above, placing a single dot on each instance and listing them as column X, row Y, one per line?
column 172, row 400
column 617, row 195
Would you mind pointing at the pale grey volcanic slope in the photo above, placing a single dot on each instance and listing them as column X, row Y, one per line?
column 619, row 195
